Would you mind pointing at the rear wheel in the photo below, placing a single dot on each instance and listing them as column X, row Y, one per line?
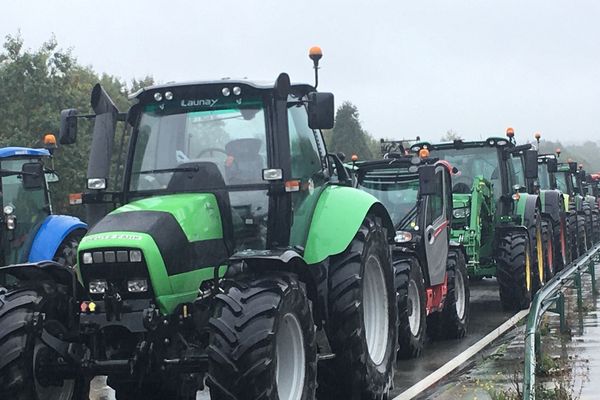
column 572, row 235
column 589, row 228
column 515, row 271
column 452, row 321
column 262, row 340
column 561, row 245
column 362, row 310
column 596, row 225
column 22, row 352
column 67, row 251
column 412, row 311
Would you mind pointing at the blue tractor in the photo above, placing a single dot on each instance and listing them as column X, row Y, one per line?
column 29, row 232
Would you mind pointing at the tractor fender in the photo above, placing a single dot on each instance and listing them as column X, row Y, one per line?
column 51, row 234
column 315, row 277
column 552, row 204
column 36, row 274
column 338, row 215
column 527, row 205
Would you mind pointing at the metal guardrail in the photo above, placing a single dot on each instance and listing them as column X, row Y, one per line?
column 552, row 293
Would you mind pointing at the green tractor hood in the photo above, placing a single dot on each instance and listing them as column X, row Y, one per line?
column 180, row 236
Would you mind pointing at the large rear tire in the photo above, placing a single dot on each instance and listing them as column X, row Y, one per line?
column 549, row 251
column 362, row 318
column 515, row 273
column 412, row 308
column 581, row 235
column 589, row 225
column 21, row 350
column 262, row 340
column 452, row 321
column 572, row 235
column 596, row 225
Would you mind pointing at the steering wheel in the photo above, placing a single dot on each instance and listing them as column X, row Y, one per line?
column 211, row 149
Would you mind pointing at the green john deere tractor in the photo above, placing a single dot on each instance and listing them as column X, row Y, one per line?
column 567, row 180
column 240, row 256
column 494, row 218
column 432, row 283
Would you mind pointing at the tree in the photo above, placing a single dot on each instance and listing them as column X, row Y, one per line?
column 450, row 136
column 348, row 135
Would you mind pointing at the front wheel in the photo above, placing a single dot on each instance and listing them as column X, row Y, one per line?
column 514, row 271
column 362, row 315
column 22, row 352
column 262, row 340
column 412, row 308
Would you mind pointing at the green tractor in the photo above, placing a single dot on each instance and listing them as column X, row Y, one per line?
column 494, row 218
column 432, row 283
column 240, row 257
column 567, row 179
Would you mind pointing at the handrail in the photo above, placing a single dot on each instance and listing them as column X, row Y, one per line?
column 542, row 301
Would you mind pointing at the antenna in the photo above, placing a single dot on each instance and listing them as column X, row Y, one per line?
column 315, row 55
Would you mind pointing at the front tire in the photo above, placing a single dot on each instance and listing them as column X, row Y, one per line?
column 362, row 315
column 515, row 273
column 21, row 350
column 262, row 340
column 412, row 308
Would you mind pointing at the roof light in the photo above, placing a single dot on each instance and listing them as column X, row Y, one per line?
column 49, row 139
column 315, row 53
column 423, row 153
column 157, row 96
column 354, row 157
column 558, row 152
column 226, row 92
column 537, row 136
column 237, row 90
column 169, row 95
column 510, row 132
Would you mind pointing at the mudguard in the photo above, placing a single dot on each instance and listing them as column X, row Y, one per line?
column 51, row 234
column 552, row 204
column 526, row 207
column 337, row 217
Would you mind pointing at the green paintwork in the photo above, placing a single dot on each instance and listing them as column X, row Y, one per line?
column 338, row 215
column 199, row 217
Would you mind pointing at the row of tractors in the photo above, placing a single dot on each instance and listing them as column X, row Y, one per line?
column 238, row 254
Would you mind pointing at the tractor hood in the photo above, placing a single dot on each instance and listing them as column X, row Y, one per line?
column 186, row 228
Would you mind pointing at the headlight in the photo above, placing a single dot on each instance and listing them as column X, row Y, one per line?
column 11, row 222
column 137, row 285
column 135, row 256
column 461, row 212
column 98, row 286
column 402, row 237
column 87, row 258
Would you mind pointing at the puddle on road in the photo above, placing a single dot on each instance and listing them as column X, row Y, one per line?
column 568, row 360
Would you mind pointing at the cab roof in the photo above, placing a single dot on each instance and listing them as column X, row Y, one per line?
column 7, row 152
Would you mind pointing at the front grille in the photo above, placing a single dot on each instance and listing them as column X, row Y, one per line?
column 111, row 265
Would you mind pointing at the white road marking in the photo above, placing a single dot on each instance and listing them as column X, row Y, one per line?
column 421, row 386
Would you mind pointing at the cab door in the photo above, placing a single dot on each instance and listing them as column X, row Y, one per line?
column 436, row 229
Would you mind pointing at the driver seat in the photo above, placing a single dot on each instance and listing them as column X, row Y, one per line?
column 244, row 163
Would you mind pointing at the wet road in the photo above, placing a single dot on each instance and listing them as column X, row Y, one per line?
column 486, row 315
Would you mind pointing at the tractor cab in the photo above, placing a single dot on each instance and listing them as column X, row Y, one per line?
column 547, row 167
column 418, row 196
column 25, row 202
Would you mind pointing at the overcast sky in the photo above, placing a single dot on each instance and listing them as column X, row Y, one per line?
column 412, row 68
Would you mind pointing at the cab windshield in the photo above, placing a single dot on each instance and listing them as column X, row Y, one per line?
column 229, row 136
column 543, row 176
column 561, row 182
column 472, row 162
column 398, row 194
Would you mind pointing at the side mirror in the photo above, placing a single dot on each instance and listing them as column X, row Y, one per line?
column 33, row 175
column 320, row 110
column 103, row 135
column 68, row 126
column 427, row 184
column 531, row 164
column 552, row 165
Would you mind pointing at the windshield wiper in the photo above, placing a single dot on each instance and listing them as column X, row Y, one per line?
column 165, row 170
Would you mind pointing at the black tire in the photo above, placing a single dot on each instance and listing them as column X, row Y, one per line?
column 536, row 242
column 561, row 246
column 450, row 323
column 410, row 339
column 248, row 318
column 66, row 254
column 20, row 347
column 581, row 235
column 572, row 235
column 589, row 228
column 353, row 373
column 514, row 264
column 549, row 251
